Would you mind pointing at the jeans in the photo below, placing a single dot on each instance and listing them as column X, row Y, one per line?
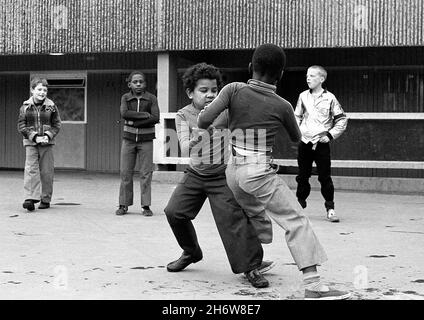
column 39, row 173
column 242, row 246
column 129, row 152
column 321, row 155
column 257, row 187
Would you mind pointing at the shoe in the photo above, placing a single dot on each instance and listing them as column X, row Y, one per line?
column 147, row 213
column 331, row 215
column 122, row 210
column 29, row 205
column 44, row 205
column 302, row 203
column 256, row 279
column 266, row 266
column 326, row 295
column 184, row 261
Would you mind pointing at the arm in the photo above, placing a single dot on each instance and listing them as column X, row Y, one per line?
column 130, row 114
column 183, row 133
column 22, row 126
column 55, row 124
column 290, row 124
column 299, row 111
column 153, row 117
column 214, row 109
column 339, row 120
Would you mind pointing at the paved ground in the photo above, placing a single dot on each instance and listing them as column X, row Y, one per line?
column 79, row 249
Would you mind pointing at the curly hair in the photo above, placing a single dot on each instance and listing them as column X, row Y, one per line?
column 201, row 71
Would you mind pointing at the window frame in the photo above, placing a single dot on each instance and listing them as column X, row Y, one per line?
column 66, row 75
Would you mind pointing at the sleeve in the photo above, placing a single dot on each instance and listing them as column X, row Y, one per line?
column 153, row 117
column 131, row 114
column 291, row 125
column 183, row 133
column 22, row 125
column 299, row 111
column 56, row 123
column 216, row 107
column 222, row 120
column 339, row 120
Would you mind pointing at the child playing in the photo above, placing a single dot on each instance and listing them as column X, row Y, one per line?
column 321, row 119
column 39, row 123
column 205, row 178
column 140, row 111
column 255, row 114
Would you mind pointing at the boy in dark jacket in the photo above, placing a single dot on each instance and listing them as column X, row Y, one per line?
column 140, row 111
column 39, row 123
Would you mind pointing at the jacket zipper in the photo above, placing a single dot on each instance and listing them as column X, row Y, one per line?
column 38, row 121
column 136, row 129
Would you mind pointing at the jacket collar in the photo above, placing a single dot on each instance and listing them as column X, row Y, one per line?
column 47, row 102
column 131, row 96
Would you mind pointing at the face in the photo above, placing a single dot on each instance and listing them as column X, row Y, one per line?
column 204, row 92
column 314, row 78
column 137, row 84
column 39, row 93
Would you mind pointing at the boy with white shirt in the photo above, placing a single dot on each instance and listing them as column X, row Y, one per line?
column 321, row 119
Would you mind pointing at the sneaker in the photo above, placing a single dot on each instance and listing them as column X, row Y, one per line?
column 331, row 215
column 29, row 205
column 256, row 279
column 147, row 213
column 266, row 266
column 44, row 205
column 122, row 210
column 331, row 294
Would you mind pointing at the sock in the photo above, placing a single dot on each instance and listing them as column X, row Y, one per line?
column 146, row 207
column 312, row 282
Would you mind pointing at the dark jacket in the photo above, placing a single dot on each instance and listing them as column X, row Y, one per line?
column 36, row 121
column 140, row 115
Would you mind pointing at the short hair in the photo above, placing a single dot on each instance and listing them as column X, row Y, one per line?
column 132, row 74
column 201, row 71
column 321, row 71
column 37, row 80
column 269, row 59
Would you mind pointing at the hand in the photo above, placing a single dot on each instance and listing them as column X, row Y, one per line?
column 130, row 122
column 324, row 139
column 45, row 140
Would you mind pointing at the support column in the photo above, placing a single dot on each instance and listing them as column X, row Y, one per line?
column 167, row 99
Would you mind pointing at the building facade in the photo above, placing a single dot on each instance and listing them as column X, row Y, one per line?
column 373, row 51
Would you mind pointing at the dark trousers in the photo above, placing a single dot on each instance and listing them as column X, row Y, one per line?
column 305, row 157
column 129, row 152
column 243, row 248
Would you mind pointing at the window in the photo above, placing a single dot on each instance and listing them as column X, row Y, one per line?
column 68, row 92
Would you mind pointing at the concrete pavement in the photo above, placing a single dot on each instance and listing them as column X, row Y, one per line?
column 79, row 249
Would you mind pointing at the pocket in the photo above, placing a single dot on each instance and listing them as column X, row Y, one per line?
column 183, row 179
column 46, row 128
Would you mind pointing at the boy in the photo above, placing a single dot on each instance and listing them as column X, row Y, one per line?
column 255, row 114
column 321, row 119
column 205, row 178
column 39, row 123
column 140, row 111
